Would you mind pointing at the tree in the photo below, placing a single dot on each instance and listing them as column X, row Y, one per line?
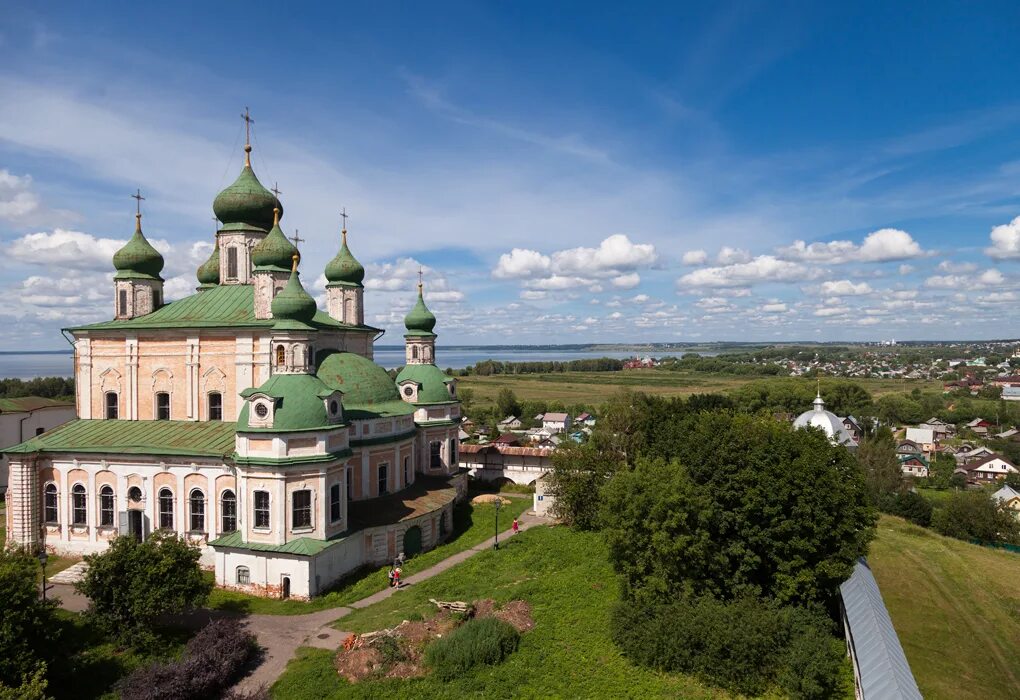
column 751, row 506
column 940, row 473
column 132, row 583
column 28, row 626
column 579, row 473
column 880, row 465
column 467, row 398
column 975, row 515
column 847, row 398
column 1013, row 480
column 506, row 403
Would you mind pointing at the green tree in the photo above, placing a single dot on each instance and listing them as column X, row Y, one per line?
column 880, row 465
column 467, row 398
column 751, row 507
column 28, row 625
column 32, row 687
column 1013, row 480
column 975, row 515
column 506, row 403
column 940, row 472
column 579, row 473
column 132, row 583
column 846, row 398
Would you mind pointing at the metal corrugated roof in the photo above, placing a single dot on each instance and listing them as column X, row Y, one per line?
column 882, row 665
column 147, row 437
column 302, row 546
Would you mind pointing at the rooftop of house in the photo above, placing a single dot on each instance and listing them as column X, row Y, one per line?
column 147, row 437
column 26, row 404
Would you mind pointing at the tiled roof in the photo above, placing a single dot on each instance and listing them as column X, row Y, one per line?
column 507, row 450
column 31, row 403
column 227, row 305
column 145, row 437
column 884, row 671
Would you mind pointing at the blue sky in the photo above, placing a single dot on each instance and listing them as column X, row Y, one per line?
column 565, row 172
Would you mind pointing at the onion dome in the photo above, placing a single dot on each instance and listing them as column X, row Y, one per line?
column 293, row 308
column 209, row 271
column 344, row 269
column 364, row 383
column 274, row 252
column 138, row 259
column 420, row 321
column 826, row 421
column 246, row 204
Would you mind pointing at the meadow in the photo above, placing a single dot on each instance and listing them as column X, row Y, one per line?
column 955, row 607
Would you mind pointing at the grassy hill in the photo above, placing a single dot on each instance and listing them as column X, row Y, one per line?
column 566, row 578
column 956, row 608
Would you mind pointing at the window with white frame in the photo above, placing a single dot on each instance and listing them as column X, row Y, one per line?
column 106, row 506
column 301, row 509
column 261, row 502
column 51, row 513
column 334, row 503
column 196, row 510
column 79, row 505
column 166, row 509
column 228, row 511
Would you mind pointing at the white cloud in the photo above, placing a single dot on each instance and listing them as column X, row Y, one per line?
column 991, row 277
column 883, row 245
column 615, row 315
column 842, row 288
column 731, row 256
column 615, row 256
column 17, row 200
column 906, row 269
column 957, row 267
column 521, row 263
column 1005, row 241
column 764, row 268
column 556, row 282
column 81, row 251
column 774, row 308
column 628, row 281
column 639, row 298
column 832, row 311
column 532, row 294
column 988, row 278
column 695, row 257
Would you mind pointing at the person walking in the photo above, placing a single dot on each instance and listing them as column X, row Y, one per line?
column 390, row 576
column 517, row 527
column 396, row 577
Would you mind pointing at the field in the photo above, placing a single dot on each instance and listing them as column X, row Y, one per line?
column 956, row 608
column 472, row 524
column 566, row 578
column 596, row 387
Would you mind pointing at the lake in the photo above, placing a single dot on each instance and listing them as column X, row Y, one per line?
column 60, row 364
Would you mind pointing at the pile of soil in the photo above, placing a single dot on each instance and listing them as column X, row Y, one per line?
column 490, row 498
column 399, row 652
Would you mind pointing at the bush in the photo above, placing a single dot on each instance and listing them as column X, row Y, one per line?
column 744, row 645
column 974, row 515
column 910, row 505
column 29, row 633
column 480, row 641
column 211, row 662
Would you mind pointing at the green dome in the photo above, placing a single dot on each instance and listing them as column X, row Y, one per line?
column 420, row 321
column 434, row 383
column 274, row 252
column 138, row 259
column 300, row 403
column 293, row 307
column 209, row 271
column 344, row 268
column 363, row 382
column 246, row 203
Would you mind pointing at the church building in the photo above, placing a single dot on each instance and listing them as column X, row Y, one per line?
column 246, row 419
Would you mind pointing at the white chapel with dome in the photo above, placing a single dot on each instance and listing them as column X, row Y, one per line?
column 826, row 421
column 246, row 419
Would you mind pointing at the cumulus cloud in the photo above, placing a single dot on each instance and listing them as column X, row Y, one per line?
column 988, row 278
column 764, row 268
column 1005, row 241
column 17, row 200
column 616, row 257
column 695, row 257
column 731, row 256
column 401, row 275
column 884, row 245
column 532, row 294
column 774, row 308
column 628, row 281
column 843, row 288
column 521, row 263
column 74, row 249
column 906, row 269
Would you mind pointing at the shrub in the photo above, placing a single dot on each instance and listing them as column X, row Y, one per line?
column 480, row 641
column 910, row 505
column 29, row 637
column 212, row 661
column 743, row 645
column 974, row 515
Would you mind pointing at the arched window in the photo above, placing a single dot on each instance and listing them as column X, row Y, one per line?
column 196, row 508
column 122, row 299
column 243, row 576
column 106, row 506
column 215, row 405
column 281, row 356
column 50, row 510
column 414, row 352
column 162, row 406
column 301, row 509
column 436, row 455
column 349, row 311
column 79, row 507
column 166, row 509
column 297, row 355
column 334, row 503
column 426, row 353
column 228, row 511
column 232, row 263
column 111, row 404
column 383, row 478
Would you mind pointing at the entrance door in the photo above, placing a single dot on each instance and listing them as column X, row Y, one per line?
column 286, row 587
column 135, row 524
column 412, row 541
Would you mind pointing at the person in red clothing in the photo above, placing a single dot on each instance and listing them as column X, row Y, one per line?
column 517, row 528
column 396, row 577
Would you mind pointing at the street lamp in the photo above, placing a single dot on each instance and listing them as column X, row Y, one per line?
column 42, row 561
column 498, row 504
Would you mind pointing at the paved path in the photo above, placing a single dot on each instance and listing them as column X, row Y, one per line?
column 281, row 635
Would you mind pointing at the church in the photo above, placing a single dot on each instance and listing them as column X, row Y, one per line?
column 246, row 419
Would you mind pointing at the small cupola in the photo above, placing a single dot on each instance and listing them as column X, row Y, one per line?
column 420, row 321
column 209, row 271
column 274, row 252
column 293, row 308
column 344, row 268
column 138, row 288
column 138, row 259
column 345, row 289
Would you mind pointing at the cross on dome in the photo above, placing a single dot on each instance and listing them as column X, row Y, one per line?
column 248, row 121
column 137, row 196
column 296, row 239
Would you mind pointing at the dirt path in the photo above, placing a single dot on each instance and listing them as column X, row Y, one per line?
column 281, row 635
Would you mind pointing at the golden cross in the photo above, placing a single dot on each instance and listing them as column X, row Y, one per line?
column 137, row 196
column 297, row 239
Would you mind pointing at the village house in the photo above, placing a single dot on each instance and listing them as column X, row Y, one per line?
column 985, row 470
column 979, row 425
column 940, row 428
column 585, row 419
column 923, row 438
column 1009, row 497
column 509, row 423
column 974, row 454
column 914, row 465
column 908, row 447
column 245, row 419
column 494, row 462
column 556, row 422
column 853, row 428
column 25, row 417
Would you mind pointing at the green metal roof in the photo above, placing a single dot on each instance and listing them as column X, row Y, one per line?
column 293, row 308
column 209, row 271
column 302, row 546
column 366, row 385
column 433, row 383
column 137, row 259
column 141, row 437
column 300, row 403
column 344, row 268
column 31, row 403
column 222, row 306
column 419, row 320
column 246, row 204
column 274, row 252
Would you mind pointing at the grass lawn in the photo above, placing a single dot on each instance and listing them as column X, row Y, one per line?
column 472, row 524
column 955, row 607
column 566, row 578
column 596, row 387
